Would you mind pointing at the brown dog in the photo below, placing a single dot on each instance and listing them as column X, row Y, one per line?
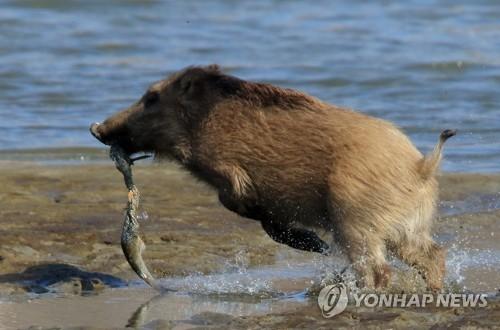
column 292, row 161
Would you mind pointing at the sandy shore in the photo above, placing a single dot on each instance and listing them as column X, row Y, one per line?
column 60, row 230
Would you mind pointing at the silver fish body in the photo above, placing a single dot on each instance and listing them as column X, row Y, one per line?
column 131, row 242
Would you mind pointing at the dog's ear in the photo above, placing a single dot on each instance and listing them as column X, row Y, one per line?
column 213, row 68
column 191, row 82
column 191, row 86
column 196, row 89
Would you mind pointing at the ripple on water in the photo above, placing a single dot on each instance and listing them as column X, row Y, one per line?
column 424, row 79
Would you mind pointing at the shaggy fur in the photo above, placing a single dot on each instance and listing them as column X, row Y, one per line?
column 290, row 160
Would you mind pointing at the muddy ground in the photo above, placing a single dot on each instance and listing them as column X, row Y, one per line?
column 60, row 234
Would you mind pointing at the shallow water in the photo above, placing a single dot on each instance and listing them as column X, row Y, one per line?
column 133, row 307
column 426, row 66
column 232, row 293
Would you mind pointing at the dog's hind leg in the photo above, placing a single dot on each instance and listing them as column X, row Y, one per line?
column 427, row 257
column 367, row 254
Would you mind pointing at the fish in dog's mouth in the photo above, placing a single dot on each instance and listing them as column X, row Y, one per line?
column 132, row 156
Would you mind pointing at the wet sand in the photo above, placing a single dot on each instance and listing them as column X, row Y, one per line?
column 61, row 263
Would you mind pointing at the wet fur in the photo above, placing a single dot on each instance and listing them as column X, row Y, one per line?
column 289, row 160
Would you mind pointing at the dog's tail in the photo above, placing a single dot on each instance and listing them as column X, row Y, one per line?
column 430, row 163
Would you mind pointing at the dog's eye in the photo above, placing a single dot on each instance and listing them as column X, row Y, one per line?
column 151, row 98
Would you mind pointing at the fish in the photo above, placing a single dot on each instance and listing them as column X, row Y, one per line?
column 132, row 244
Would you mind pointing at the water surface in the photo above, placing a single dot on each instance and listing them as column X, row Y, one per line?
column 424, row 65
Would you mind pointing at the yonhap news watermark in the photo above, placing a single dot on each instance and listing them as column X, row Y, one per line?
column 333, row 300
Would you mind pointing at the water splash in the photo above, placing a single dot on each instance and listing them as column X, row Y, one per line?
column 296, row 272
column 291, row 275
column 143, row 216
column 236, row 278
column 472, row 269
column 456, row 262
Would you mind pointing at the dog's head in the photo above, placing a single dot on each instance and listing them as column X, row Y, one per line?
column 162, row 121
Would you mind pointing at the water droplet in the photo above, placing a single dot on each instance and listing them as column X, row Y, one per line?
column 143, row 216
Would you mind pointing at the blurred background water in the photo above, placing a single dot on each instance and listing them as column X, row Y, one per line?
column 425, row 65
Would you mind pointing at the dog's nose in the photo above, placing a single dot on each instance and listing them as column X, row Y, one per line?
column 94, row 131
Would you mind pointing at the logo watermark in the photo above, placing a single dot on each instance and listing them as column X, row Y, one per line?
column 333, row 300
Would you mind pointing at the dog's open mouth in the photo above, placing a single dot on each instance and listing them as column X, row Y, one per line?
column 138, row 156
column 131, row 157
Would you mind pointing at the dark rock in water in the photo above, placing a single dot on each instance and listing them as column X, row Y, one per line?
column 34, row 288
column 61, row 278
column 94, row 284
column 77, row 286
column 70, row 286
